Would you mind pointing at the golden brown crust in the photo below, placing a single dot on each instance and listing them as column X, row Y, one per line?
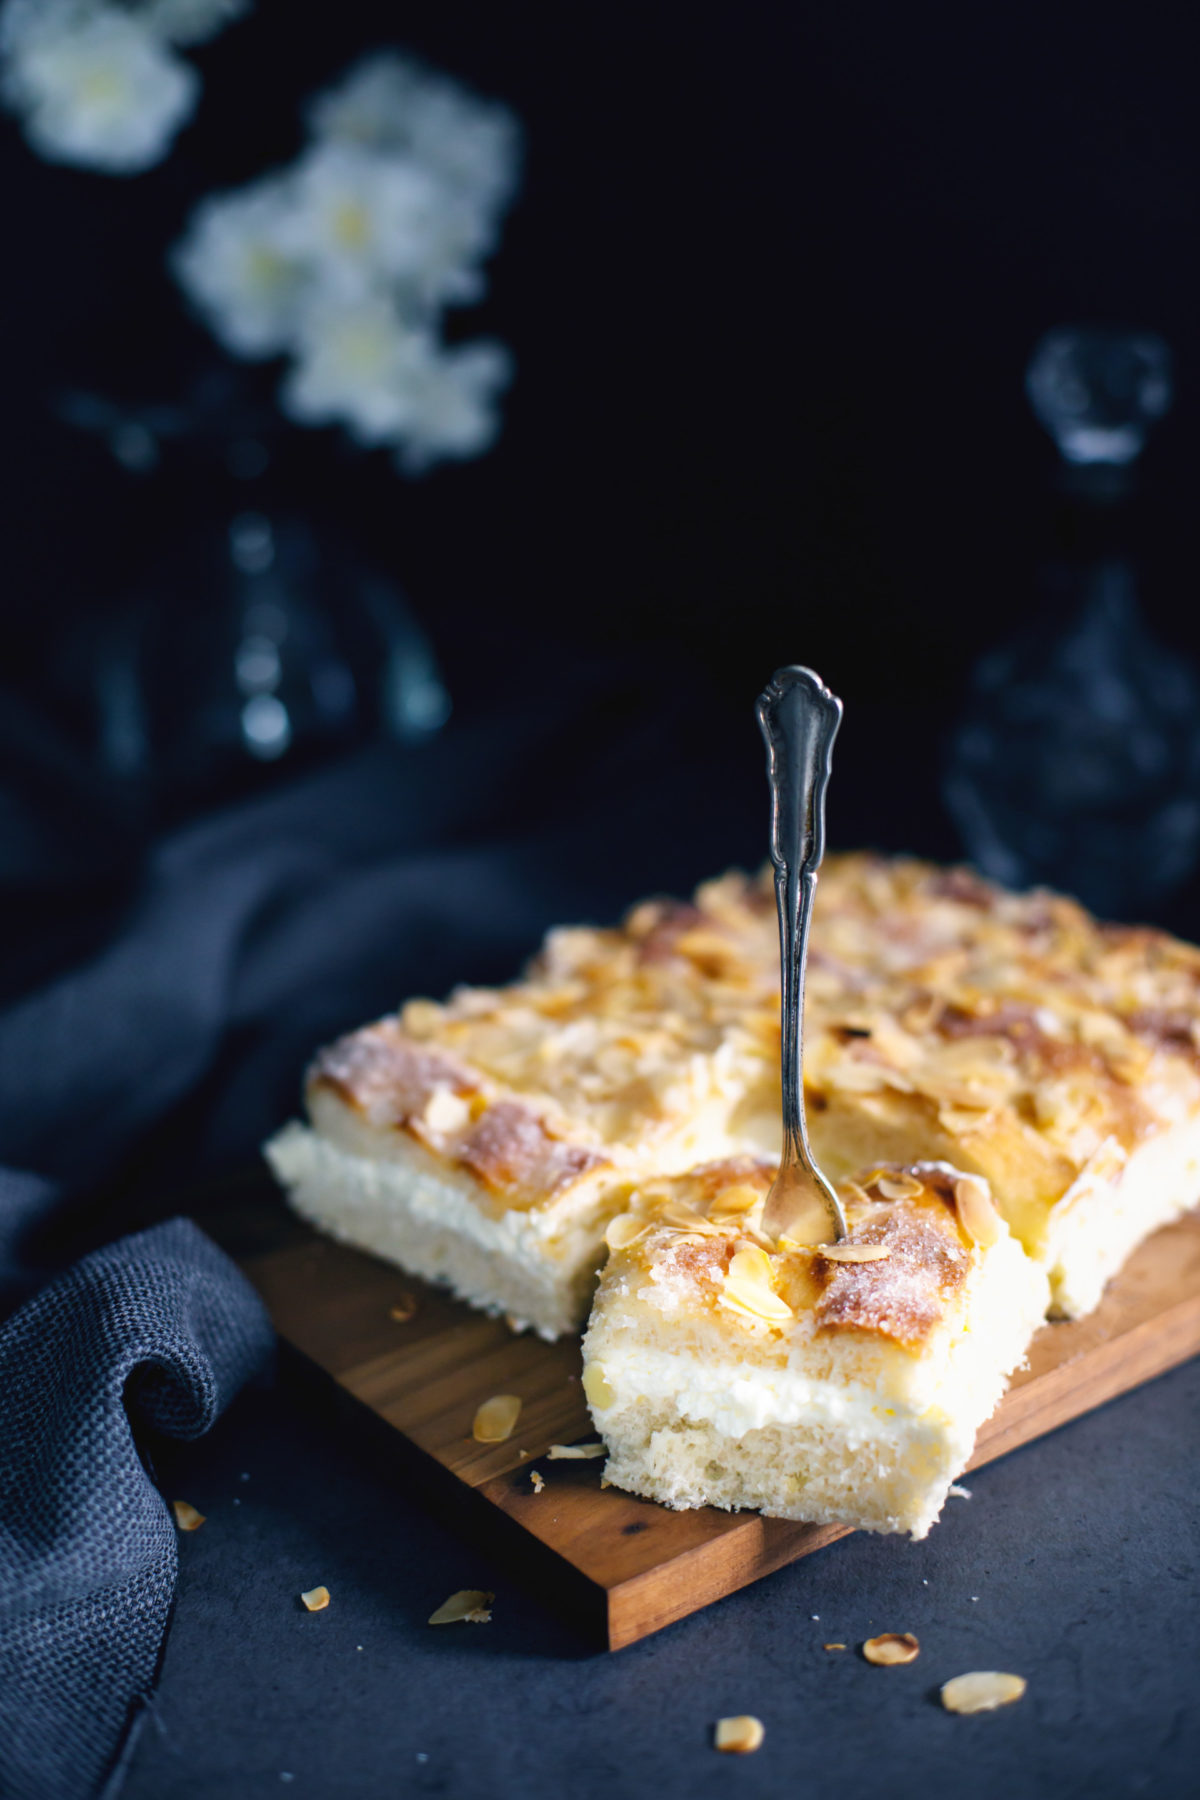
column 510, row 1147
column 387, row 1077
column 698, row 1223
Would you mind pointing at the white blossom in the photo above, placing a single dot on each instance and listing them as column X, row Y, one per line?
column 236, row 265
column 363, row 367
column 454, row 405
column 94, row 86
column 345, row 261
column 361, row 217
column 391, row 102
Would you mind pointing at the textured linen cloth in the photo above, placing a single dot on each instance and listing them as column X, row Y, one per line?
column 152, row 1334
column 174, row 1042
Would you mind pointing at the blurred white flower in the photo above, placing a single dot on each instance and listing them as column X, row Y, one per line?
column 353, row 367
column 362, row 367
column 236, row 265
column 345, row 260
column 360, row 217
column 191, row 21
column 392, row 102
column 95, row 86
column 454, row 400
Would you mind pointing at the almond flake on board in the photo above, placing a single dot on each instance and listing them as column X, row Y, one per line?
column 404, row 1309
column 472, row 1604
column 892, row 1648
column 496, row 1419
column 574, row 1452
column 983, row 1690
column 186, row 1516
column 316, row 1599
column 738, row 1735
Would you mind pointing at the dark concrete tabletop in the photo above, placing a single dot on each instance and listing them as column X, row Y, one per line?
column 1073, row 1563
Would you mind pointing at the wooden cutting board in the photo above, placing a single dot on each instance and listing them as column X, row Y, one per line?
column 631, row 1565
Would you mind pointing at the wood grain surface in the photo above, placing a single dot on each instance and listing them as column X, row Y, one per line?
column 643, row 1565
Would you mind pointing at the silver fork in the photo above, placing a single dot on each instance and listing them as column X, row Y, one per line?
column 799, row 719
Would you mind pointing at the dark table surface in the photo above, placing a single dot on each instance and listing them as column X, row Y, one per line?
column 1073, row 1563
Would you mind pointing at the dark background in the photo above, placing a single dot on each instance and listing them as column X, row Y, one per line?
column 771, row 286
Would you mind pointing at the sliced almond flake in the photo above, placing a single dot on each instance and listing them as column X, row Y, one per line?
column 983, row 1690
column 575, row 1452
column 403, row 1309
column 976, row 1213
column 186, row 1516
column 316, row 1599
column 741, row 1199
column 833, row 1646
column 496, row 1419
column 892, row 1648
column 472, row 1604
column 624, row 1230
column 680, row 1218
column 854, row 1253
column 897, row 1186
column 738, row 1735
column 597, row 1387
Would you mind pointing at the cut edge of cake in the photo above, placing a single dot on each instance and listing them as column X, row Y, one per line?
column 721, row 1373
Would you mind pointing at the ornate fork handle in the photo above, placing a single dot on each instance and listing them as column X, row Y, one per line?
column 799, row 719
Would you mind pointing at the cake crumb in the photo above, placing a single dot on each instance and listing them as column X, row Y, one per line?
column 958, row 1492
column 536, row 1479
column 186, row 1516
column 316, row 1599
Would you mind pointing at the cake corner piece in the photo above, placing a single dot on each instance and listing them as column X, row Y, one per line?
column 842, row 1385
column 411, row 1155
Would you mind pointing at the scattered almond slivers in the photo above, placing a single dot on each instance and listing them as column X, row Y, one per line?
column 983, row 1690
column 976, row 1213
column 574, row 1452
column 496, row 1419
column 891, row 1648
column 403, row 1310
column 833, row 1646
column 738, row 1735
column 624, row 1230
column 473, row 1604
column 186, row 1516
column 854, row 1253
column 749, row 1289
column 316, row 1599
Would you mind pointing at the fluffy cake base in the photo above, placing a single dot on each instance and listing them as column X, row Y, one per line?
column 539, row 1271
column 845, row 1431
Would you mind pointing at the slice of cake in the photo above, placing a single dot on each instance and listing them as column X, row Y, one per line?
column 842, row 1385
column 487, row 1142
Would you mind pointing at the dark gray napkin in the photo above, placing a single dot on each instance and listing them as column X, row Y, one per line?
column 152, row 1334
